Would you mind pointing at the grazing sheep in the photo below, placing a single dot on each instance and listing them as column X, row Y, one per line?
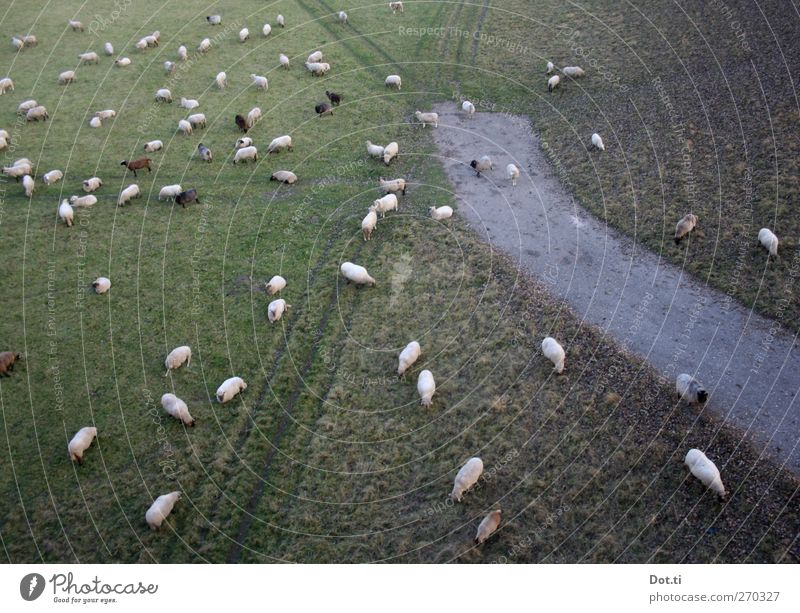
column 101, row 285
column 336, row 99
column 160, row 509
column 488, row 526
column 244, row 34
column 183, row 53
column 243, row 142
column 598, row 142
column 769, row 241
column 66, row 213
column 127, row 194
column 276, row 309
column 189, row 104
column 259, row 82
column 467, row 476
column 276, row 284
column 443, row 212
column 314, row 57
column 573, row 71
column 230, row 388
column 482, row 165
column 426, row 387
column 393, row 80
column 266, row 30
column 28, row 184
column 141, row 44
column 397, row 7
column 122, row 62
column 80, row 443
column 355, row 273
column 89, row 57
column 185, row 127
column 187, row 197
column 687, row 223
column 553, row 82
column 169, row 67
column 284, row 176
column 550, row 68
column 164, row 95
column 153, row 145
column 6, row 84
column 512, row 172
column 280, row 21
column 245, row 153
column 151, row 41
column 66, row 77
column 554, row 352
column 198, row 120
column 17, row 43
column 392, row 185
column 177, row 408
column 30, row 40
column 221, row 80
column 282, row 142
column 468, row 108
column 95, row 122
column 106, row 114
column 135, row 165
column 7, row 359
column 368, row 224
column 427, row 118
column 54, row 176
column 318, row 68
column 214, row 20
column 384, row 204
column 390, row 151
column 253, row 117
column 323, row 108
column 204, row 153
column 177, row 357
column 108, row 48
column 18, row 169
column 705, row 470
column 690, row 389
column 26, row 106
column 375, row 151
column 204, row 45
column 76, row 26
column 3, row 143
column 83, row 201
column 408, row 356
column 37, row 113
column 241, row 123
column 342, row 18
column 90, row 185
column 284, row 60
column 169, row 191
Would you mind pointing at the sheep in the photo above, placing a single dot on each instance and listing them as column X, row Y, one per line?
column 466, row 477
column 554, row 352
column 135, row 165
column 3, row 143
column 204, row 153
column 141, row 44
column 407, row 357
column 550, row 68
column 83, row 201
column 204, row 45
column 336, row 99
column 90, row 57
column 18, row 169
column 686, row 224
column 108, row 48
column 156, row 35
column 185, row 127
column 276, row 284
column 160, row 509
column 127, row 194
column 284, row 60
column 230, row 388
column 28, row 184
column 244, row 34
column 769, row 241
column 164, row 95
column 597, row 142
column 284, row 176
column 76, row 26
column 198, row 120
column 189, row 104
column 66, row 77
column 393, row 80
column 443, row 212
column 323, row 108
column 51, row 177
column 396, row 7
column 355, row 273
column 241, row 123
column 95, row 122
column 17, row 43
column 169, row 191
column 245, row 153
column 245, row 141
column 468, row 108
column 384, row 204
column 553, row 82
column 705, row 470
column 90, row 185
column 6, row 84
column 151, row 41
column 318, row 68
column 390, row 151
column 7, row 359
column 488, row 526
column 690, row 389
column 281, row 142
column 214, row 20
column 169, row 67
column 183, row 53
column 253, row 116
column 66, row 213
column 221, row 80
column 101, row 285
column 314, row 57
column 266, row 30
column 187, row 197
column 177, row 357
column 342, row 18
column 26, row 106
column 368, row 224
column 427, row 118
column 482, row 165
column 37, row 113
column 178, row 409
column 259, row 82
column 106, row 114
column 375, row 151
column 392, row 185
column 276, row 309
column 573, row 71
column 153, row 145
column 426, row 387
column 29, row 40
column 80, row 443
column 512, row 172
column 122, row 62
column 280, row 21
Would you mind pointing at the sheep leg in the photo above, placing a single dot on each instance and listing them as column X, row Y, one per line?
column 134, row 172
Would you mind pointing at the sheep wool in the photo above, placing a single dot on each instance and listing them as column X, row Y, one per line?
column 253, row 116
column 6, row 84
column 189, row 104
column 244, row 34
column 280, row 21
column 276, row 284
column 554, row 352
column 355, row 273
column 482, row 165
column 705, row 470
column 153, row 145
column 393, row 80
column 276, row 309
column 127, row 194
column 375, row 151
column 246, row 153
column 259, row 82
column 368, row 224
column 488, row 526
column 315, row 56
column 392, row 185
column 101, row 285
column 550, row 68
column 426, row 387
column 443, row 212
column 108, row 48
column 468, row 108
column 177, row 408
column 245, row 141
column 573, row 71
column 90, row 185
column 407, row 357
column 396, row 7
column 690, row 389
column 68, row 76
column 221, row 80
column 37, row 113
column 230, row 388
column 122, row 62
column 553, row 82
column 28, row 184
column 25, row 106
column 427, row 118
column 284, row 176
column 512, row 172
column 160, row 509
column 185, row 127
column 177, row 358
column 769, row 241
column 54, row 176
column 106, row 114
column 387, row 203
column 80, row 443
column 342, row 18
column 466, row 477
column 65, row 212
column 266, row 30
column 169, row 191
column 89, row 58
column 282, row 142
column 390, row 152
column 198, row 120
column 76, row 26
column 598, row 142
column 687, row 223
column 204, row 45
column 283, row 59
column 164, row 95
column 183, row 53
column 83, row 201
column 95, row 122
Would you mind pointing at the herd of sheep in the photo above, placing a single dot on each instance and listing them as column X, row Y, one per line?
column 245, row 150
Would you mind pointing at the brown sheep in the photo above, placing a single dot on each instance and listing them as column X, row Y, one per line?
column 322, row 108
column 241, row 122
column 335, row 98
column 187, row 197
column 137, row 164
column 7, row 359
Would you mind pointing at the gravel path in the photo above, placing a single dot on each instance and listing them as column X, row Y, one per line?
column 749, row 364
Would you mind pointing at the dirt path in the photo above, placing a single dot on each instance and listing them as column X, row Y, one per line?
column 651, row 307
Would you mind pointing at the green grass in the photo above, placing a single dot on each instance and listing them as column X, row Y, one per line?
column 326, row 457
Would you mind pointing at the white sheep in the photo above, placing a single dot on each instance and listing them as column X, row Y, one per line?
column 95, row 122
column 198, row 120
column 284, row 176
column 160, row 509
column 443, row 212
column 17, row 43
column 384, row 204
column 686, row 224
column 153, row 145
column 30, row 40
column 284, row 60
column 597, row 142
column 314, row 57
column 185, row 127
column 51, row 177
column 554, row 352
column 266, row 30
column 169, row 191
column 6, row 84
column 169, row 66
column 512, row 173
column 466, row 477
column 101, row 285
column 573, row 71
column 705, row 470
column 550, row 68
column 276, row 284
column 127, row 194
column 108, row 48
column 76, row 26
column 90, row 57
column 393, row 80
column 396, row 7
column 66, row 213
column 468, row 108
column 368, row 224
column 221, row 80
column 189, row 103
column 19, row 169
column 26, row 106
column 244, row 34
column 553, row 82
column 427, row 118
column 390, row 151
column 245, row 153
column 280, row 21
column 426, row 387
column 342, row 17
column 253, row 117
column 37, row 113
column 276, row 309
column 141, row 44
column 83, row 201
column 375, row 151
column 177, row 357
column 80, row 443
column 204, row 45
column 318, row 68
column 178, row 409
column 259, row 82
column 28, row 184
column 90, row 185
column 214, row 20
column 245, row 141
column 164, row 95
column 407, row 357
column 355, row 273
column 183, row 53
column 122, row 62
column 482, row 165
column 690, row 389
column 392, row 185
column 106, row 114
column 3, row 143
column 281, row 142
column 769, row 241
column 488, row 526
column 230, row 388
column 68, row 76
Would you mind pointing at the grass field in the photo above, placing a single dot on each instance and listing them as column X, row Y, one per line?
column 327, row 457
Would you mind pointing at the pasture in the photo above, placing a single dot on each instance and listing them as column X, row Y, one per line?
column 328, row 456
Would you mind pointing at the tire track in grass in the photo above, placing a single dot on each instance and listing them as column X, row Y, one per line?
column 476, row 37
